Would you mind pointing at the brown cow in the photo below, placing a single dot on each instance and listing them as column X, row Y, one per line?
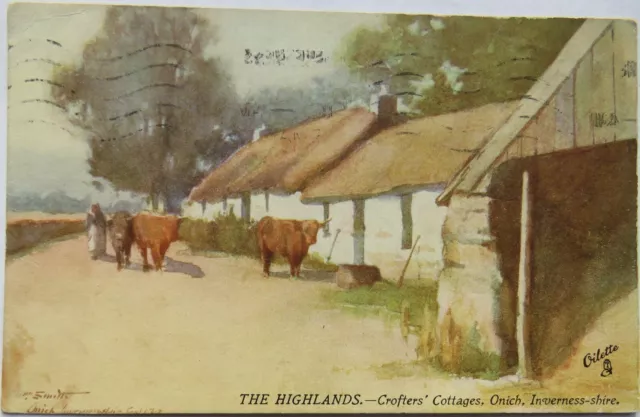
column 155, row 233
column 288, row 238
column 121, row 236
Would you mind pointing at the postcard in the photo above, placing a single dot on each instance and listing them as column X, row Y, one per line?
column 217, row 210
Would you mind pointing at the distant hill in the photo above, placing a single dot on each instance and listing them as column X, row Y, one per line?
column 58, row 202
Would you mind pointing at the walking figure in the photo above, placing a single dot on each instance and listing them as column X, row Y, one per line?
column 96, row 232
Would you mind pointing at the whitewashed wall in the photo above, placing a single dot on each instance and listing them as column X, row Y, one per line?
column 383, row 222
column 383, row 236
column 286, row 207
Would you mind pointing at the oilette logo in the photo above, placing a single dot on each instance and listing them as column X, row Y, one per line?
column 601, row 355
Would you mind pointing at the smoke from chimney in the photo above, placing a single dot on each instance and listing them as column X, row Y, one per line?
column 257, row 133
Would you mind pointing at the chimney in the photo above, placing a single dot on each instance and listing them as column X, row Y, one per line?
column 385, row 105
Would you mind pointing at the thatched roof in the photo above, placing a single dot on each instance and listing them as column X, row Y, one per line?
column 412, row 156
column 536, row 98
column 286, row 161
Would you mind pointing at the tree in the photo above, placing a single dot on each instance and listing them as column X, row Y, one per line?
column 483, row 59
column 160, row 110
column 280, row 108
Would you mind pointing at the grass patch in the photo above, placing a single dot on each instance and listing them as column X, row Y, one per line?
column 386, row 295
column 313, row 261
column 401, row 369
column 476, row 365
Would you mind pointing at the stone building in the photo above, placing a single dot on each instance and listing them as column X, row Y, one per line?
column 540, row 232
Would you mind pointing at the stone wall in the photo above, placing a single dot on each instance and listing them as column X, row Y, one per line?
column 26, row 233
column 471, row 294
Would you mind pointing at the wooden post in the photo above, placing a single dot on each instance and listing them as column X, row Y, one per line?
column 407, row 221
column 245, row 206
column 326, row 228
column 523, row 279
column 358, row 232
column 406, row 265
column 204, row 206
column 333, row 245
column 266, row 200
column 225, row 205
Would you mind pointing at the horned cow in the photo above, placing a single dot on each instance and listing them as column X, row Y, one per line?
column 155, row 233
column 288, row 238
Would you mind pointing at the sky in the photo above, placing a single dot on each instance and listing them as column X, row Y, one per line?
column 46, row 153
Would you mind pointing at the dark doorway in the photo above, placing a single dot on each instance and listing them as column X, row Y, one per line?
column 583, row 244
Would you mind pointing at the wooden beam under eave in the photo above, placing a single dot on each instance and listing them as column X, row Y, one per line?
column 245, row 206
column 407, row 221
column 524, row 368
column 358, row 232
column 326, row 229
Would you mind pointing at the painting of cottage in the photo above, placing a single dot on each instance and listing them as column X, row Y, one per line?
column 233, row 211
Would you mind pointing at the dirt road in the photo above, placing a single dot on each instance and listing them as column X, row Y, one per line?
column 194, row 339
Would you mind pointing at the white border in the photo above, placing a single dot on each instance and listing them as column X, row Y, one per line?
column 625, row 9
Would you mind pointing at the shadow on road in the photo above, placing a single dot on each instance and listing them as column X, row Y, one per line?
column 107, row 258
column 307, row 275
column 171, row 266
column 183, row 268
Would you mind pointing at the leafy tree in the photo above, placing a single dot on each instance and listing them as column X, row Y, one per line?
column 161, row 111
column 280, row 108
column 480, row 59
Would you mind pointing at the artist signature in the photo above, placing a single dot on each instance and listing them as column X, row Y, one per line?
column 45, row 395
column 601, row 355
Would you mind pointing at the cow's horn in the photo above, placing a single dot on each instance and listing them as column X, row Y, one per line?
column 326, row 221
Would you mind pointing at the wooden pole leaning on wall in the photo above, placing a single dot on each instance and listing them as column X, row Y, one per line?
column 333, row 245
column 524, row 279
column 406, row 264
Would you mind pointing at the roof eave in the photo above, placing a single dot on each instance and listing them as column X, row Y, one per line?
column 395, row 191
column 598, row 26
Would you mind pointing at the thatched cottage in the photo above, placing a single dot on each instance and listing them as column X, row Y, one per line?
column 382, row 195
column 261, row 177
column 540, row 230
column 266, row 176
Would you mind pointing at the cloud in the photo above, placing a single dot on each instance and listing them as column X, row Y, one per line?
column 437, row 24
column 357, row 103
column 403, row 107
column 452, row 73
column 423, row 84
column 414, row 28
